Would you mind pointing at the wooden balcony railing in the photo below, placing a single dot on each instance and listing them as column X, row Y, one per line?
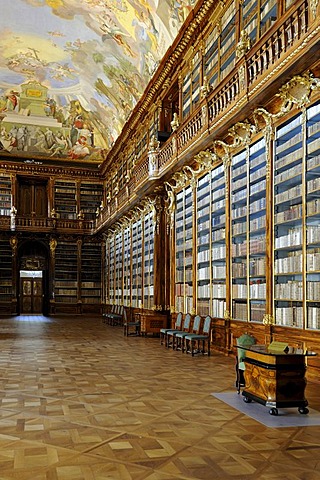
column 46, row 224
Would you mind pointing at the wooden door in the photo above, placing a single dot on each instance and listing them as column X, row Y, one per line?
column 31, row 295
column 33, row 199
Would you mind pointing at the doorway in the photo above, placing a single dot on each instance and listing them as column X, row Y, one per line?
column 33, row 277
column 31, row 288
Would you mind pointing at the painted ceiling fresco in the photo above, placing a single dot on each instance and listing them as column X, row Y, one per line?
column 71, row 71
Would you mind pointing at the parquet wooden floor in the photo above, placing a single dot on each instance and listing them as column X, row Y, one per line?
column 79, row 401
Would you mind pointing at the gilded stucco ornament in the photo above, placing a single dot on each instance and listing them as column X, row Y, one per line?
column 242, row 77
column 14, row 245
column 241, row 133
column 53, row 245
column 153, row 153
column 313, row 7
column 297, row 91
column 175, row 122
column 178, row 181
column 243, row 45
column 268, row 319
column 205, row 161
column 205, row 88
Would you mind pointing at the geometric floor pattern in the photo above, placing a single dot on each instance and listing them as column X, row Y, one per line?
column 79, row 401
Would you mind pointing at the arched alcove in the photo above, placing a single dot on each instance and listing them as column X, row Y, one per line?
column 33, row 268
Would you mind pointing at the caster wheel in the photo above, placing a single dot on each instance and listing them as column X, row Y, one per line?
column 247, row 400
column 303, row 410
column 273, row 411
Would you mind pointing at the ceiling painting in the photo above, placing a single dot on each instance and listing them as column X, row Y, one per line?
column 71, row 71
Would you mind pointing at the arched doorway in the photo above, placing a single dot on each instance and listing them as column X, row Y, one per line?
column 33, row 278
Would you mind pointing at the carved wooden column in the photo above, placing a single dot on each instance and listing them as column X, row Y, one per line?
column 79, row 250
column 52, row 262
column 15, row 277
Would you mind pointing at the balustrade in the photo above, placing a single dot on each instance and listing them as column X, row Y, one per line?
column 264, row 57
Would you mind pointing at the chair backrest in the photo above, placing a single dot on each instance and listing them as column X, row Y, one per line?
column 178, row 321
column 196, row 324
column 125, row 319
column 186, row 323
column 121, row 309
column 245, row 340
column 207, row 325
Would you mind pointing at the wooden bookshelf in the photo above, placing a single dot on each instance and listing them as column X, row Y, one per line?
column 66, row 273
column 91, row 195
column 6, row 277
column 91, row 273
column 65, row 199
column 5, row 195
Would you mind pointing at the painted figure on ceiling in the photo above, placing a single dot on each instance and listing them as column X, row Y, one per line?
column 12, row 103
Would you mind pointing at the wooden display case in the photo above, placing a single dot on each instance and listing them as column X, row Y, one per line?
column 276, row 379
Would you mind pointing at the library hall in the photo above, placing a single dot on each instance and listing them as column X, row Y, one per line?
column 160, row 240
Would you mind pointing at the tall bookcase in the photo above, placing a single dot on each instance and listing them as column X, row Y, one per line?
column 211, row 57
column 5, row 271
column 248, row 233
column 257, row 16
column 211, row 246
column 118, row 268
column 66, row 273
column 296, row 228
column 239, row 235
column 91, row 271
column 127, row 266
column 148, row 264
column 91, row 195
column 257, row 231
column 184, row 251
column 289, row 223
column 228, row 40
column 136, row 265
column 218, row 242
column 65, row 199
column 5, row 195
column 312, row 133
column 111, row 269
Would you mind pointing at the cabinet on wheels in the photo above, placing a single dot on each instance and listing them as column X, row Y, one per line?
column 184, row 251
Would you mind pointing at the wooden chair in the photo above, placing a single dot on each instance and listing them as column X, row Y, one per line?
column 179, row 337
column 106, row 316
column 185, row 328
column 194, row 340
column 164, row 331
column 131, row 327
column 245, row 340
